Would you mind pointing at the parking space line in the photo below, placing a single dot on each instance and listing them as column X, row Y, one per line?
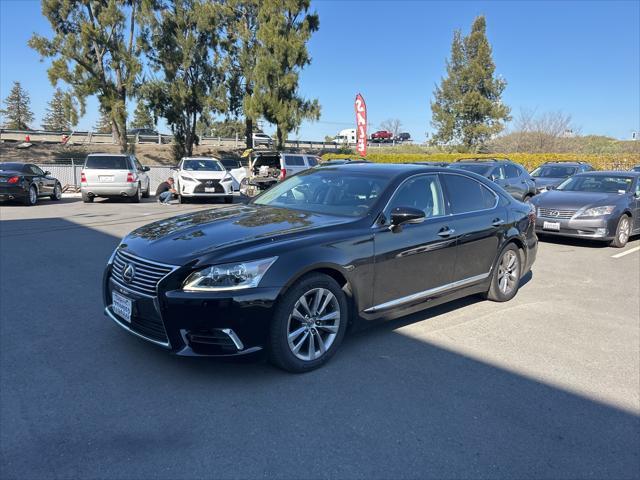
column 626, row 252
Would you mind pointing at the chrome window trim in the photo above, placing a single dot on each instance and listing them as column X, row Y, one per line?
column 109, row 314
column 426, row 293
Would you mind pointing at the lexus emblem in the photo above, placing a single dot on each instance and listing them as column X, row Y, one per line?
column 129, row 273
column 554, row 213
column 209, row 182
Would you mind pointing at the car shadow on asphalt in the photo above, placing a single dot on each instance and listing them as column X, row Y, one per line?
column 579, row 242
column 82, row 398
column 42, row 202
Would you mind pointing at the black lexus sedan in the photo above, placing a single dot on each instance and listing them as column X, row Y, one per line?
column 26, row 183
column 325, row 249
column 596, row 205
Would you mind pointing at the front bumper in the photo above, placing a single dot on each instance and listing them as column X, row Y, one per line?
column 217, row 324
column 199, row 189
column 599, row 228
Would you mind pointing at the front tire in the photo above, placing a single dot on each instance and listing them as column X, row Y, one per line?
column 623, row 231
column 57, row 192
column 505, row 279
column 309, row 324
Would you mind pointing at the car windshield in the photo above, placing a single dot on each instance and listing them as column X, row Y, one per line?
column 328, row 191
column 107, row 162
column 597, row 183
column 202, row 165
column 14, row 167
column 555, row 171
column 480, row 169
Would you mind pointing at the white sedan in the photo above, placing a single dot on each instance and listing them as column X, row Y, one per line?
column 205, row 177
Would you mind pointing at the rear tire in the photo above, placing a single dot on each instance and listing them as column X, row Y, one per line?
column 86, row 198
column 505, row 279
column 57, row 192
column 138, row 195
column 294, row 327
column 623, row 232
column 147, row 192
column 32, row 196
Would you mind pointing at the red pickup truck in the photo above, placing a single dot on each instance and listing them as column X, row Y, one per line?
column 382, row 136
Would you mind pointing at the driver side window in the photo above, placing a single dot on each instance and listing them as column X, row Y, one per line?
column 422, row 192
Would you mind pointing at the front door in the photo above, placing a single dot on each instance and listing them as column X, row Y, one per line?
column 45, row 184
column 413, row 260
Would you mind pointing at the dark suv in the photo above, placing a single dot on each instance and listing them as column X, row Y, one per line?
column 551, row 174
column 510, row 176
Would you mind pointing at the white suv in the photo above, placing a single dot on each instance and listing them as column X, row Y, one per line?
column 262, row 139
column 268, row 168
column 206, row 177
column 113, row 175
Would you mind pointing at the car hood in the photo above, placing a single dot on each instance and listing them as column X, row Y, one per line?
column 178, row 240
column 560, row 200
column 200, row 174
column 546, row 181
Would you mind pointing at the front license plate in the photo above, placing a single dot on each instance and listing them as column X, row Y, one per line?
column 122, row 306
column 106, row 178
column 209, row 190
column 555, row 226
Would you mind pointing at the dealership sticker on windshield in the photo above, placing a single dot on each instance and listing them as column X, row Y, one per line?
column 555, row 226
column 122, row 306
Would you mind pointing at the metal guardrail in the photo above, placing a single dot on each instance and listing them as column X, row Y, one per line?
column 43, row 136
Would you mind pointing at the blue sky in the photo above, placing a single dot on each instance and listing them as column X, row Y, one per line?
column 582, row 58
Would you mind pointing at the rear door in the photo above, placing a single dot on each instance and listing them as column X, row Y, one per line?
column 142, row 175
column 414, row 261
column 294, row 164
column 479, row 222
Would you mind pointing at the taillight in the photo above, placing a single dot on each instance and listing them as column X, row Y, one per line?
column 83, row 178
column 283, row 174
column 13, row 179
column 130, row 178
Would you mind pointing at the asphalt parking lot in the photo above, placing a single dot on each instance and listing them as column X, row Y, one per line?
column 545, row 386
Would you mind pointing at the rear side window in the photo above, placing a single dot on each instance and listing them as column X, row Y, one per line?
column 511, row 171
column 293, row 161
column 106, row 162
column 467, row 195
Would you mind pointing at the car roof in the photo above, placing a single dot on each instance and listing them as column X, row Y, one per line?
column 108, row 155
column 483, row 160
column 565, row 162
column 392, row 169
column 200, row 158
column 609, row 173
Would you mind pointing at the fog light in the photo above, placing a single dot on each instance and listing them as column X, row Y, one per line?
column 601, row 232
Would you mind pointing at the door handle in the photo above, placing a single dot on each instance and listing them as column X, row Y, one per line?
column 446, row 232
column 497, row 222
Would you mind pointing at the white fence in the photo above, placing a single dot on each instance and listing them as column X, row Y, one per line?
column 69, row 175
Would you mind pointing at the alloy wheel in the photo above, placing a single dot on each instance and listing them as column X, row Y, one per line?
column 33, row 196
column 508, row 272
column 57, row 192
column 623, row 234
column 313, row 324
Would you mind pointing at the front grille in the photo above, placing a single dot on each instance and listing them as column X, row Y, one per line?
column 146, row 274
column 204, row 183
column 152, row 328
column 554, row 213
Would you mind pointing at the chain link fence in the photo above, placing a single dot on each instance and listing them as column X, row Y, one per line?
column 69, row 175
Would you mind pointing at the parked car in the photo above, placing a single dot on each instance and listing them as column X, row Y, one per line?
column 262, row 139
column 403, row 137
column 636, row 168
column 206, row 177
column 142, row 132
column 114, row 175
column 26, row 183
column 326, row 249
column 382, row 136
column 510, row 176
column 268, row 168
column 551, row 174
column 595, row 205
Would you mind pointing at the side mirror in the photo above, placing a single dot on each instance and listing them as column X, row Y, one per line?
column 174, row 168
column 146, row 169
column 401, row 215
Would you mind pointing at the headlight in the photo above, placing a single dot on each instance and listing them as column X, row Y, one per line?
column 229, row 276
column 598, row 211
column 187, row 179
